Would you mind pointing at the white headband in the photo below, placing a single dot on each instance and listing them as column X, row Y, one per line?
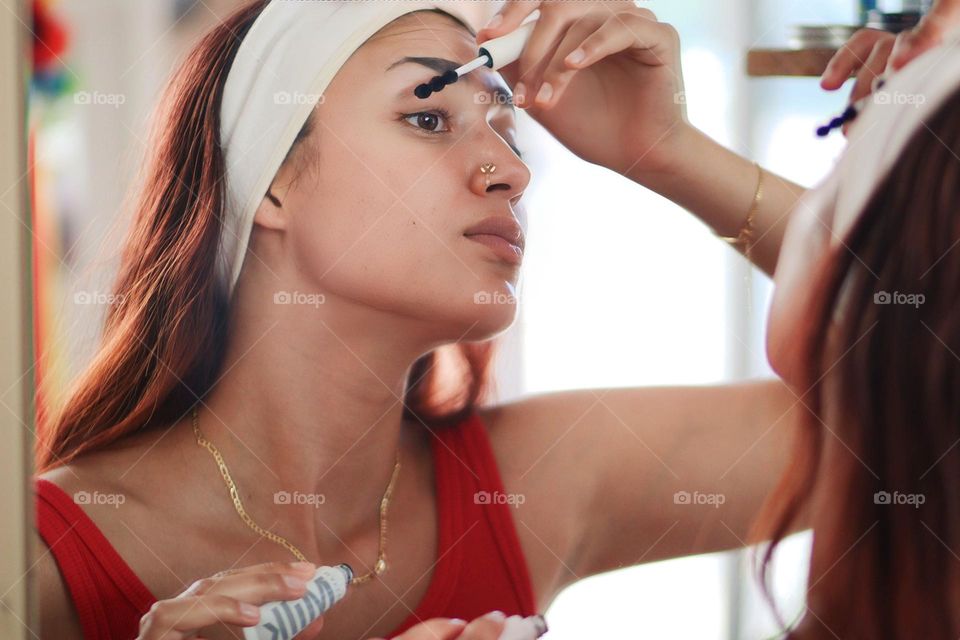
column 880, row 133
column 286, row 61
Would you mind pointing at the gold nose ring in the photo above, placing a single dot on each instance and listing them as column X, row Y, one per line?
column 486, row 169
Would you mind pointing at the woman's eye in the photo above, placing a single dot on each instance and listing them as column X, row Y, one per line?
column 429, row 120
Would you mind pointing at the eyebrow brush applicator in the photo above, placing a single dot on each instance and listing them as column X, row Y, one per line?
column 494, row 54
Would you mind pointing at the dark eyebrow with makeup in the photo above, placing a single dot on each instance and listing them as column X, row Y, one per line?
column 501, row 94
column 439, row 65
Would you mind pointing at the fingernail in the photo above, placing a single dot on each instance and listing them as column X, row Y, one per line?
column 576, row 56
column 303, row 566
column 498, row 616
column 294, row 582
column 546, row 90
column 539, row 623
column 494, row 22
column 518, row 96
column 458, row 621
column 248, row 610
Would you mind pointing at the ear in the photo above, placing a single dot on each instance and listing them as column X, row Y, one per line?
column 272, row 212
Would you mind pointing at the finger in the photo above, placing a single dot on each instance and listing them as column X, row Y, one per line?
column 633, row 25
column 195, row 612
column 509, row 17
column 536, row 54
column 850, row 57
column 518, row 628
column 256, row 587
column 913, row 43
column 488, row 627
column 942, row 17
column 434, row 629
column 872, row 68
column 557, row 74
column 650, row 42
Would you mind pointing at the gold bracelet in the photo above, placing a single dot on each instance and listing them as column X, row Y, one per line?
column 745, row 235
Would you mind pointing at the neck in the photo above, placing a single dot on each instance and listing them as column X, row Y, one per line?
column 308, row 415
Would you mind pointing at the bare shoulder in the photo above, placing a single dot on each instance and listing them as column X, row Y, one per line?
column 121, row 489
column 535, row 443
column 68, row 477
column 58, row 616
column 84, row 476
column 119, row 468
column 102, row 472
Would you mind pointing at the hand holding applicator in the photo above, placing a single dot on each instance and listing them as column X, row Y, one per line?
column 494, row 54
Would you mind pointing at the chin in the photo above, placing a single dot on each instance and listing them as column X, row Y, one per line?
column 489, row 316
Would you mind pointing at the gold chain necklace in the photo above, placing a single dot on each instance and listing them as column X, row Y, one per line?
column 378, row 569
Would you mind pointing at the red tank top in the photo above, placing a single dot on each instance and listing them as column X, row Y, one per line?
column 480, row 565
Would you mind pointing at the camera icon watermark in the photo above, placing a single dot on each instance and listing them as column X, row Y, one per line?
column 483, row 97
column 298, row 498
column 97, row 98
column 899, row 98
column 912, row 299
column 97, row 297
column 96, row 498
column 297, row 98
column 493, row 297
column 711, row 499
column 912, row 499
column 299, row 297
column 496, row 497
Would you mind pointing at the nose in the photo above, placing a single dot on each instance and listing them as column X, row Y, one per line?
column 508, row 175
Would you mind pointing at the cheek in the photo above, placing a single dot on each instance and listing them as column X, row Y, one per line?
column 355, row 238
column 401, row 267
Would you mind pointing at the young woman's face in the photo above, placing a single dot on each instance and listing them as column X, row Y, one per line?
column 379, row 215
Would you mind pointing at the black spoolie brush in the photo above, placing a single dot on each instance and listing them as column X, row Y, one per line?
column 852, row 111
column 437, row 83
column 494, row 54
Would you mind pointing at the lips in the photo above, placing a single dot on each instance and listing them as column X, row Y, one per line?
column 502, row 234
column 505, row 227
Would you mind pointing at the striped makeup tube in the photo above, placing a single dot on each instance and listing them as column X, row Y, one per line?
column 283, row 619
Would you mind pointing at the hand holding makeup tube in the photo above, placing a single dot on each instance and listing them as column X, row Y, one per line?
column 233, row 597
column 211, row 608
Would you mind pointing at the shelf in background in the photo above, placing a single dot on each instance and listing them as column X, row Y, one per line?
column 788, row 62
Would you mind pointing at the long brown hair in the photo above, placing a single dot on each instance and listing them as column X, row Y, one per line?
column 163, row 340
column 882, row 364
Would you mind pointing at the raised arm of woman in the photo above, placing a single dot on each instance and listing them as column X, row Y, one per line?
column 621, row 106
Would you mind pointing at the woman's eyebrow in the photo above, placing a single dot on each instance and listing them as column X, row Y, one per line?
column 501, row 94
column 440, row 65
